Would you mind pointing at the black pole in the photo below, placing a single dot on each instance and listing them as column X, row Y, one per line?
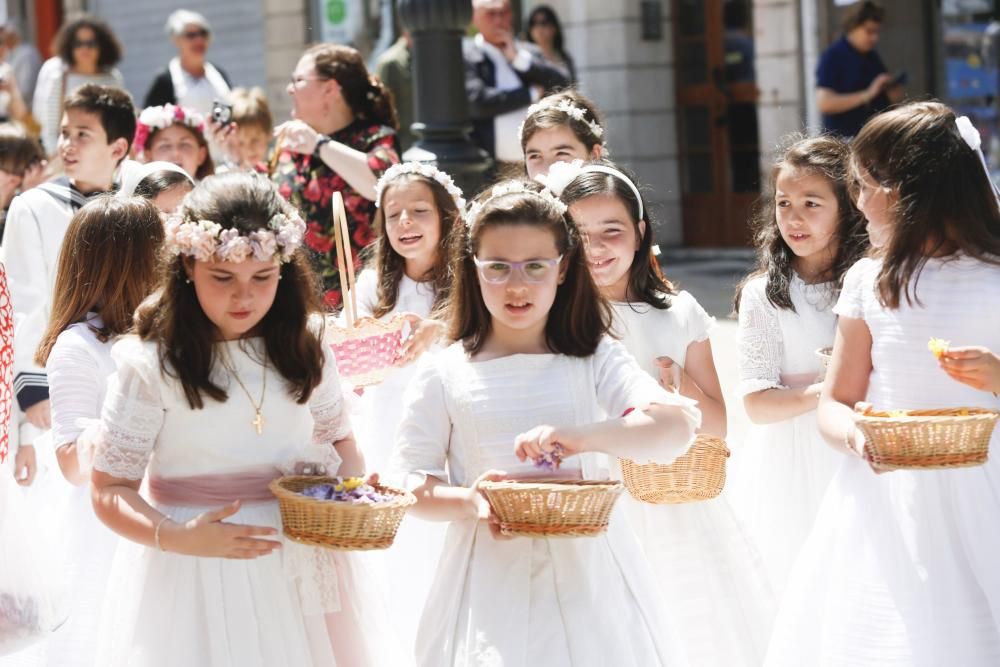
column 441, row 109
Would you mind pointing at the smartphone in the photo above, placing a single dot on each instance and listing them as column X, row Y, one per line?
column 900, row 79
column 222, row 113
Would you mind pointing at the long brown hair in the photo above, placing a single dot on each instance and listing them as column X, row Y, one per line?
column 579, row 316
column 365, row 93
column 107, row 265
column 185, row 336
column 646, row 281
column 827, row 156
column 944, row 202
column 389, row 266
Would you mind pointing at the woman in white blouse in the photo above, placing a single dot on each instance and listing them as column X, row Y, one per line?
column 86, row 52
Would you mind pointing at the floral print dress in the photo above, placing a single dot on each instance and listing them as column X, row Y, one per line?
column 308, row 183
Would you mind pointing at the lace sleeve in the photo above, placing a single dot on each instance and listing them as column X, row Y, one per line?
column 330, row 420
column 132, row 414
column 760, row 343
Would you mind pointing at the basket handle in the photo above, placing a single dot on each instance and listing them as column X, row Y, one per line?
column 345, row 263
column 278, row 141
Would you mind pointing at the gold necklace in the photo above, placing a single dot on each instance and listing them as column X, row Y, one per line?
column 258, row 420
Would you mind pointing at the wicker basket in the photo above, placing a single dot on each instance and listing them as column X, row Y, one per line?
column 699, row 474
column 338, row 525
column 552, row 508
column 367, row 351
column 365, row 348
column 928, row 439
column 825, row 354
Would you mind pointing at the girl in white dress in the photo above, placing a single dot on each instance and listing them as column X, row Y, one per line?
column 808, row 234
column 707, row 568
column 531, row 369
column 225, row 386
column 561, row 127
column 901, row 567
column 94, row 302
column 417, row 206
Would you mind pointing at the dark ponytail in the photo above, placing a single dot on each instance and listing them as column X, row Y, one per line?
column 365, row 93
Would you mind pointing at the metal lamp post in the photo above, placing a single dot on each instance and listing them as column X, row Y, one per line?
column 441, row 109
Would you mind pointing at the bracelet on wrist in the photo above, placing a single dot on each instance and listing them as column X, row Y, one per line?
column 156, row 532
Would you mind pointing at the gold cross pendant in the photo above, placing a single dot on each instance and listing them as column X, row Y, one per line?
column 258, row 423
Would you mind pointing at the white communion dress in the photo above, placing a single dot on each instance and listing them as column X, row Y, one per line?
column 298, row 606
column 408, row 567
column 588, row 601
column 782, row 469
column 901, row 568
column 709, row 571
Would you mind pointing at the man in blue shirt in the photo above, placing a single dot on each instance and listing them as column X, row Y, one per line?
column 852, row 84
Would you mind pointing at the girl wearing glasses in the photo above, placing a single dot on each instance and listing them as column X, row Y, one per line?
column 527, row 382
column 189, row 79
column 87, row 52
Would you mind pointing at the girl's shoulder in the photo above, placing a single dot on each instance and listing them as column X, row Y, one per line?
column 754, row 292
column 77, row 339
column 133, row 352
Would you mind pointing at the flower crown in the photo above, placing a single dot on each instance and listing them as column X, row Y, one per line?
column 162, row 117
column 561, row 174
column 420, row 169
column 206, row 240
column 511, row 188
column 568, row 108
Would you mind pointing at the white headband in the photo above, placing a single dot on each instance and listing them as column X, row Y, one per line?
column 421, row 169
column 133, row 173
column 561, row 174
column 972, row 139
column 510, row 188
column 567, row 108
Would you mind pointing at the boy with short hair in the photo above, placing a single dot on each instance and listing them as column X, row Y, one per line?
column 96, row 133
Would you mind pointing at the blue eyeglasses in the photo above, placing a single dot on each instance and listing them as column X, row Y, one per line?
column 532, row 270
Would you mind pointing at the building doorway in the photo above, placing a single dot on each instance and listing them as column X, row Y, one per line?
column 719, row 152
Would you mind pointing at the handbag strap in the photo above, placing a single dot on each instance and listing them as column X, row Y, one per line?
column 345, row 263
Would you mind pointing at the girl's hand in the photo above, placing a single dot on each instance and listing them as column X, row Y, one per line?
column 671, row 374
column 975, row 366
column 424, row 332
column 856, row 440
column 25, row 465
column 226, row 139
column 482, row 507
column 539, row 443
column 207, row 535
column 297, row 137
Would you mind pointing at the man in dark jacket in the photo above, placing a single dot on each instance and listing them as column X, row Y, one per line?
column 502, row 78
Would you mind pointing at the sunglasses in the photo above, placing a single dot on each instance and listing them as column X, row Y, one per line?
column 85, row 44
column 541, row 23
column 195, row 34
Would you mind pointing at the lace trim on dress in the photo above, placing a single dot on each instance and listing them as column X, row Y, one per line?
column 761, row 346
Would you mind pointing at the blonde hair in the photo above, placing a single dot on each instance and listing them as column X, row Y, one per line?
column 250, row 109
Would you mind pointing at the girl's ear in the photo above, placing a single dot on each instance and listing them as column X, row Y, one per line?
column 563, row 270
column 188, row 263
column 597, row 152
column 642, row 234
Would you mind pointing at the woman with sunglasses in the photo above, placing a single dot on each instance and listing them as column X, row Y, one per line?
column 189, row 80
column 86, row 52
column 544, row 30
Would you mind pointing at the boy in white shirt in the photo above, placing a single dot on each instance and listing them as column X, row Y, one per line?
column 96, row 133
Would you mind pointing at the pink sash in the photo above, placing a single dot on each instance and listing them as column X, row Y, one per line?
column 211, row 490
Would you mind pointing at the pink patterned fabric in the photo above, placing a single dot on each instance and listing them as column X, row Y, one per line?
column 364, row 355
column 6, row 362
column 208, row 490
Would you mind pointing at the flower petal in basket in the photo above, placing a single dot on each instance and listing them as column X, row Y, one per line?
column 552, row 508
column 338, row 525
column 928, row 439
column 366, row 352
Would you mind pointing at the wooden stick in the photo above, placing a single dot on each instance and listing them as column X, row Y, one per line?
column 345, row 262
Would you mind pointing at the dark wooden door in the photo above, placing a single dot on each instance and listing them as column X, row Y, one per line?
column 716, row 94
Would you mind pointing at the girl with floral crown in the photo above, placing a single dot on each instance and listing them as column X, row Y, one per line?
column 226, row 385
column 561, row 127
column 709, row 571
column 528, row 380
column 900, row 567
column 175, row 134
column 417, row 207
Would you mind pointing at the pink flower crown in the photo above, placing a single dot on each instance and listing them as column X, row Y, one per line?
column 162, row 117
column 206, row 240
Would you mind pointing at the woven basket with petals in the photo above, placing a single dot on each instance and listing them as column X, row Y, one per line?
column 338, row 525
column 552, row 508
column 699, row 474
column 928, row 439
